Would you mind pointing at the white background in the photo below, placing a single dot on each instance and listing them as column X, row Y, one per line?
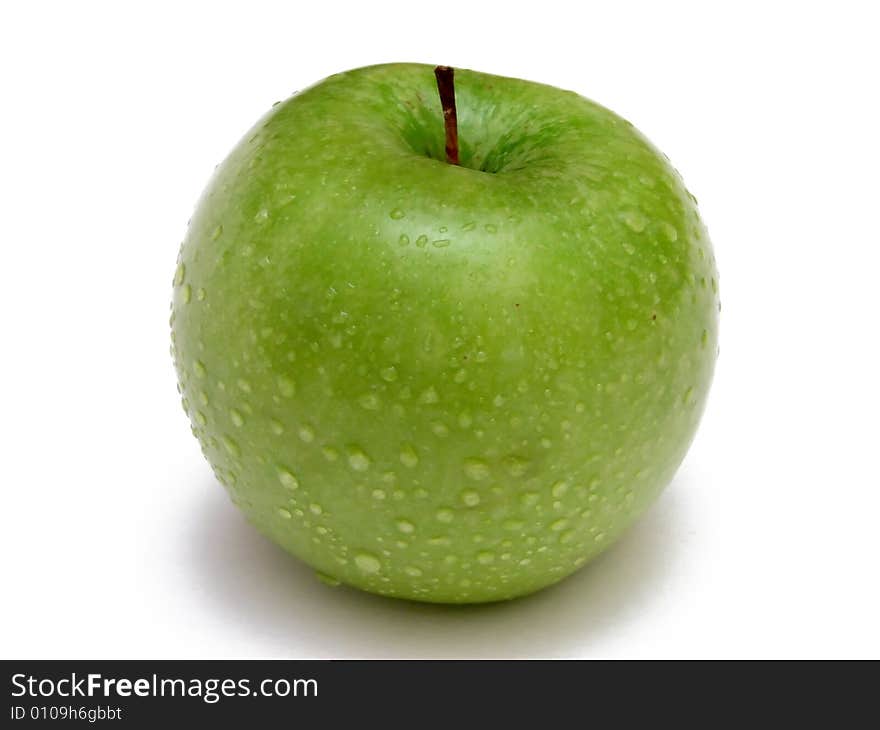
column 118, row 542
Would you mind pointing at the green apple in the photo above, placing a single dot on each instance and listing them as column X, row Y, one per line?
column 441, row 382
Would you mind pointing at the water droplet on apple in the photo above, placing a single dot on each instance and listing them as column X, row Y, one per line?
column 286, row 386
column 369, row 401
column 287, row 479
column 201, row 294
column 529, row 499
column 669, row 232
column 316, row 509
column 403, row 240
column 199, row 369
column 389, row 374
column 284, row 513
column 406, row 527
column 476, row 469
column 378, row 494
column 422, row 241
column 217, row 232
column 231, row 446
column 490, row 228
column 330, row 453
column 470, row 497
column 236, row 418
column 445, row 515
column 429, row 396
column 485, row 557
column 442, row 243
column 327, row 579
column 262, row 216
column 201, row 419
column 357, row 459
column 635, row 220
column 559, row 525
column 412, row 571
column 367, row 563
column 559, row 488
column 397, row 214
column 306, row 433
column 516, row 466
column 408, row 456
column 179, row 274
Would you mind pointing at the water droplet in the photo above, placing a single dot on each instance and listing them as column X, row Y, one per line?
column 465, row 420
column 669, row 231
column 476, row 469
column 231, row 446
column 186, row 294
column 422, row 241
column 286, row 386
column 635, row 220
column 485, row 557
column 445, row 515
column 378, row 494
column 283, row 513
column 688, row 396
column 397, row 214
column 389, row 374
column 201, row 419
column 516, row 466
column 481, row 356
column 403, row 240
column 470, row 497
column 201, row 294
column 440, row 429
column 490, row 228
column 316, row 509
column 579, row 408
column 599, row 536
column 287, row 479
column 179, row 274
column 306, row 434
column 262, row 216
column 442, row 243
column 559, row 525
column 243, row 385
column 367, row 563
column 369, row 401
column 498, row 401
column 559, row 488
column 469, row 226
column 529, row 499
column 216, row 233
column 704, row 338
column 412, row 570
column 327, row 579
column 408, row 456
column 406, row 527
column 330, row 453
column 357, row 459
column 567, row 536
column 236, row 418
column 199, row 369
column 429, row 396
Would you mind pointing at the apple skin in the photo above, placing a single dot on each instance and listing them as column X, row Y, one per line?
column 436, row 382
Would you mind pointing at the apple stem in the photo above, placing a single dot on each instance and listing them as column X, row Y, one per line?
column 446, row 86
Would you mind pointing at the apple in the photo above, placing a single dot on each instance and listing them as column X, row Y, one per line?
column 438, row 381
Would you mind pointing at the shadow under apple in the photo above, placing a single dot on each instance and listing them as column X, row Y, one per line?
column 262, row 589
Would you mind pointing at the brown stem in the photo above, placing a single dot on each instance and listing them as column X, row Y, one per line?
column 446, row 86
